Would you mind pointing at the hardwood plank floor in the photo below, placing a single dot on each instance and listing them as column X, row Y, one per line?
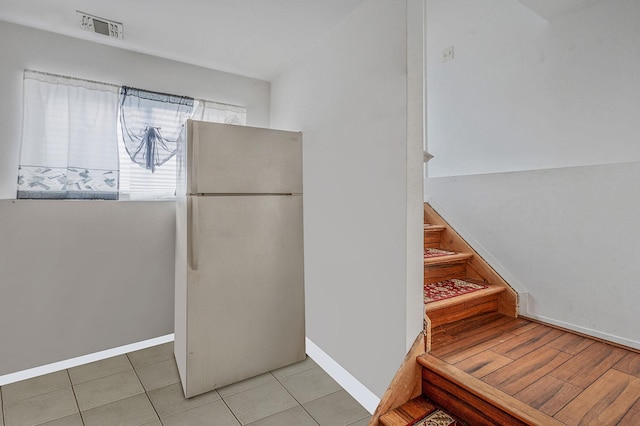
column 525, row 371
column 608, row 398
column 574, row 379
column 630, row 364
column 585, row 367
column 527, row 342
column 571, row 343
column 548, row 394
column 483, row 363
column 631, row 419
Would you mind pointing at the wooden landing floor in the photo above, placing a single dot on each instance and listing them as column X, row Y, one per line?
column 574, row 379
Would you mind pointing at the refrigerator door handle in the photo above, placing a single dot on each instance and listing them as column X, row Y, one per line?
column 192, row 205
column 193, row 152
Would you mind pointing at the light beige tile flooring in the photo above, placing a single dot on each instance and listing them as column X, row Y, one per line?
column 143, row 389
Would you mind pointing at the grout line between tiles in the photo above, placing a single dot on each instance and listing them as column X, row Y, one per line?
column 154, row 407
column 151, row 363
column 35, row 396
column 314, row 419
column 285, row 388
column 356, row 421
column 75, row 396
column 299, row 404
column 276, row 379
column 145, row 389
column 230, row 410
column 302, row 405
column 132, row 366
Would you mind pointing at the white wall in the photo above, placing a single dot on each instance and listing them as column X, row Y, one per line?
column 79, row 277
column 523, row 93
column 556, row 103
column 416, row 46
column 348, row 96
column 569, row 237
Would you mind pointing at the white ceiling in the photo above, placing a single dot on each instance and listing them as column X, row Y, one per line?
column 255, row 38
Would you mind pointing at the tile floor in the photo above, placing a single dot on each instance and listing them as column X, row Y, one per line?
column 142, row 388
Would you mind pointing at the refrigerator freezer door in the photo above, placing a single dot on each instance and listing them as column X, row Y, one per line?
column 245, row 302
column 228, row 159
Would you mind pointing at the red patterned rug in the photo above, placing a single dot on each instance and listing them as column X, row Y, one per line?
column 434, row 252
column 437, row 418
column 449, row 288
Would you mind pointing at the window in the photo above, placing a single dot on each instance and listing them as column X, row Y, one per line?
column 149, row 127
column 137, row 183
column 91, row 140
column 68, row 136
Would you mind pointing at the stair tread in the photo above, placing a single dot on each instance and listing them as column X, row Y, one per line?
column 464, row 298
column 485, row 392
column 447, row 258
column 434, row 228
column 410, row 412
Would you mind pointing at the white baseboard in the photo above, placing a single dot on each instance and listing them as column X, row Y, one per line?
column 349, row 383
column 587, row 331
column 357, row 390
column 85, row 359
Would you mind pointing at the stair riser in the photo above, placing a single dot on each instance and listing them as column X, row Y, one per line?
column 435, row 273
column 464, row 405
column 473, row 400
column 431, row 239
column 463, row 310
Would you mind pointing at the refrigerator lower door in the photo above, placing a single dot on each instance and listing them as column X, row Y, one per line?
column 243, row 309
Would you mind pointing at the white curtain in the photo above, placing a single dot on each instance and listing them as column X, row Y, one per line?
column 139, row 183
column 219, row 113
column 69, row 136
column 73, row 147
column 151, row 123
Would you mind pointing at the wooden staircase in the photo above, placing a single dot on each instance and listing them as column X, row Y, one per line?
column 479, row 364
column 462, row 263
column 467, row 400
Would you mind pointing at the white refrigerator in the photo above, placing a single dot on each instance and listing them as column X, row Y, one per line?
column 239, row 302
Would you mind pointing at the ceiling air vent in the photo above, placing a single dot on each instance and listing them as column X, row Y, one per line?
column 99, row 25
